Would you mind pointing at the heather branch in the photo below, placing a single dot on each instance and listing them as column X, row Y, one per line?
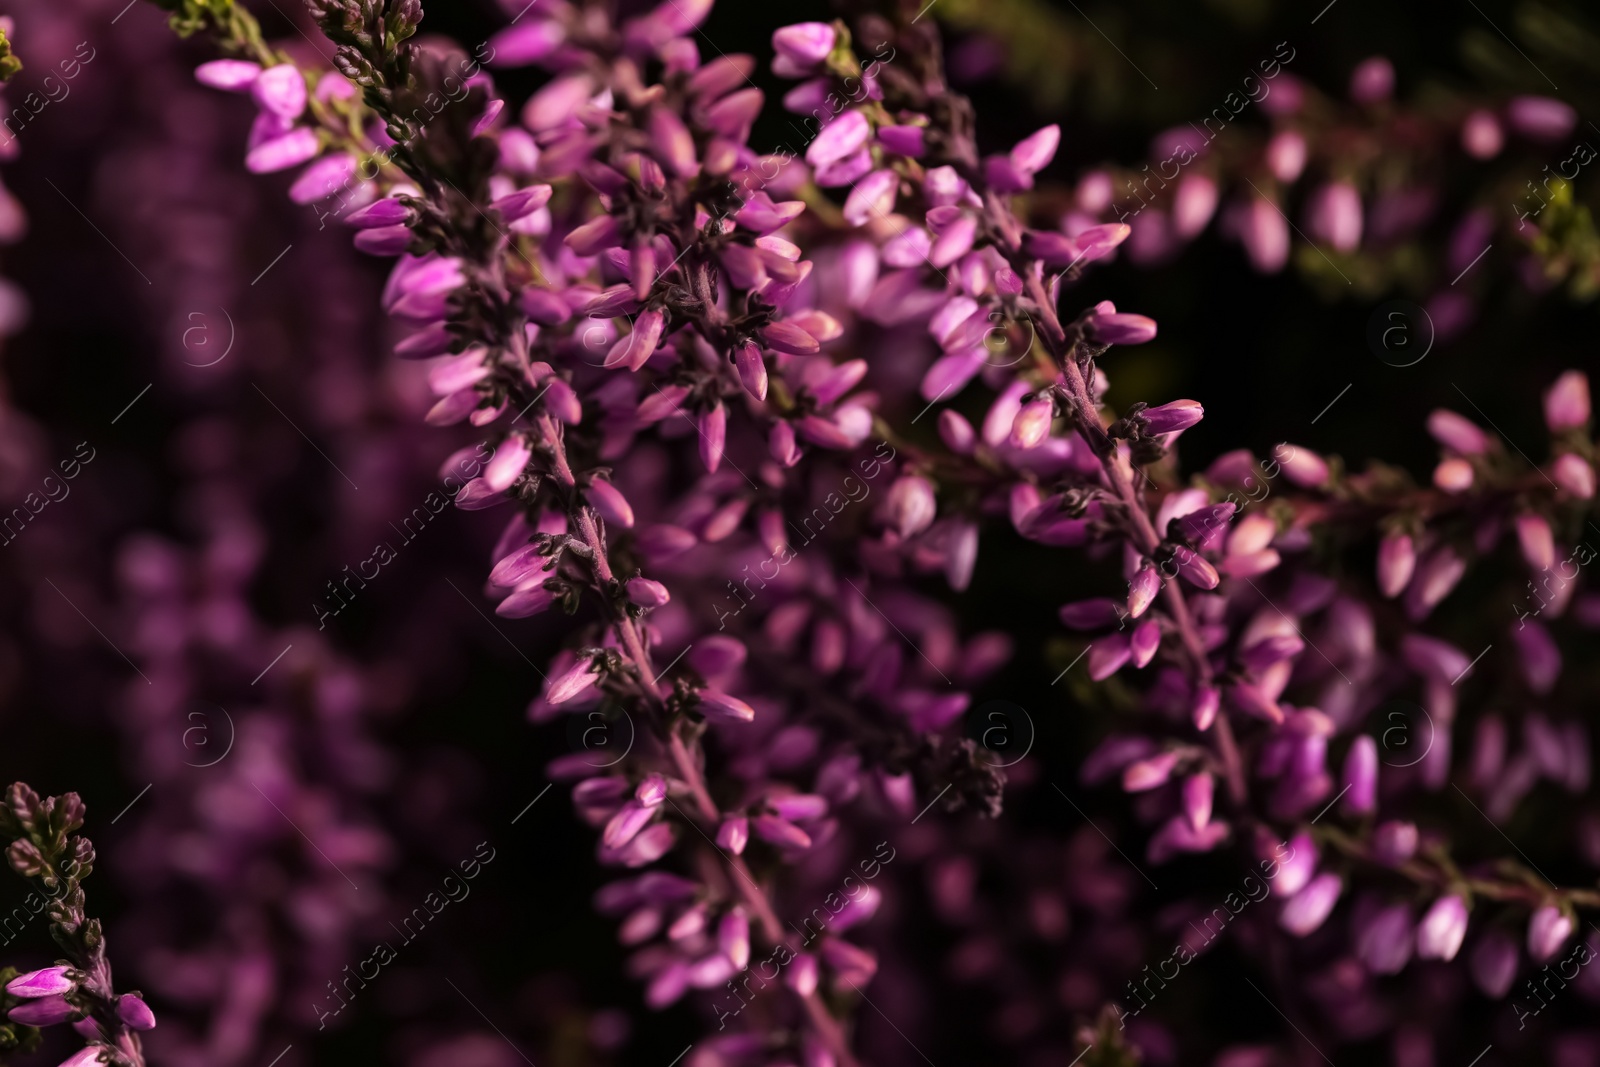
column 44, row 850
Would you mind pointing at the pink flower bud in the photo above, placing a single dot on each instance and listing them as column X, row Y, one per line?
column 1442, row 930
column 46, row 1011
column 610, row 503
column 752, row 369
column 1310, row 908
column 1566, row 404
column 1032, row 424
column 1286, row 156
column 1193, row 204
column 911, row 505
column 1454, row 475
column 840, row 138
column 1035, row 152
column 805, row 43
column 1548, row 930
column 1170, row 418
column 733, row 937
column 1537, row 542
column 1394, row 842
column 42, row 983
column 1264, row 232
column 1335, row 216
column 1121, row 329
column 229, row 75
column 1147, row 774
column 1361, row 776
column 714, row 704
column 1301, row 466
column 1540, row 118
column 734, row 834
column 1145, row 642
column 780, row 831
column 509, row 461
column 1481, row 136
column 1457, row 432
column 957, row 433
column 1574, row 475
column 1372, row 81
column 713, row 427
column 281, row 90
column 1397, row 559
column 577, row 678
column 647, row 593
column 1494, row 963
column 1198, row 790
column 1142, row 589
column 1203, row 709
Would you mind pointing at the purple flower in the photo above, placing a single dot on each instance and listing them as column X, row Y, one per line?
column 577, row 678
column 1397, row 559
column 1574, row 475
column 842, row 137
column 1384, row 944
column 1173, row 417
column 721, row 707
column 47, row 1011
column 281, row 90
column 1541, row 118
column 1494, row 963
column 1335, row 216
column 230, row 75
column 521, row 46
column 1566, row 403
column 646, row 593
column 1457, row 433
column 1548, row 930
column 42, row 983
column 1442, row 930
column 1122, row 329
column 806, row 44
column 1310, row 908
column 135, row 1013
column 1372, row 81
column 1361, row 776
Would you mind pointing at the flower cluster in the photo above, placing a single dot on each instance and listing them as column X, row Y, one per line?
column 693, row 374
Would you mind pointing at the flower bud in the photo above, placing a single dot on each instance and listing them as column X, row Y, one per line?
column 1361, row 776
column 1548, row 930
column 1574, row 475
column 1494, row 963
column 1032, row 424
column 911, row 505
column 1335, row 216
column 805, row 44
column 752, row 369
column 647, row 593
column 47, row 1011
column 1457, row 433
column 1394, row 842
column 714, row 704
column 1566, row 405
column 1310, row 908
column 734, row 834
column 1170, row 418
column 1442, row 930
column 1198, row 791
column 42, row 983
column 577, row 678
column 1397, row 559
column 1142, row 589
column 1537, row 543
